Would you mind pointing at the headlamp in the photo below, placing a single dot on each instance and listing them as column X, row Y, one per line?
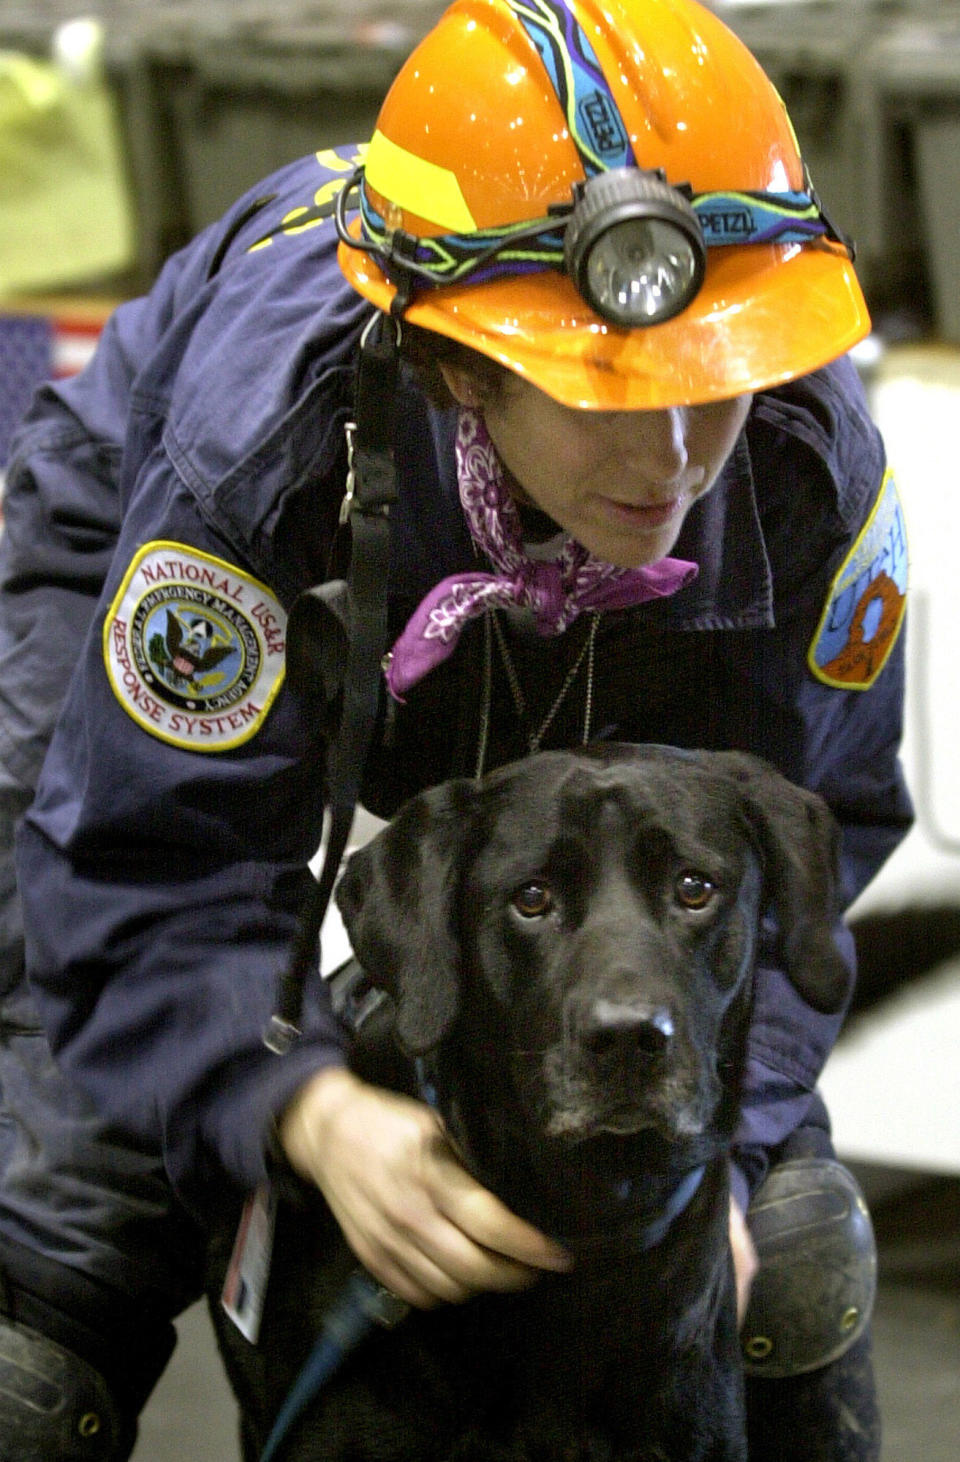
column 634, row 247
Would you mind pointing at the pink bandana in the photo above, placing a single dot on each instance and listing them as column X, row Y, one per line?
column 555, row 590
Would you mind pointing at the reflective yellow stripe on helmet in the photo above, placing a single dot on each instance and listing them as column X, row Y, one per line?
column 417, row 186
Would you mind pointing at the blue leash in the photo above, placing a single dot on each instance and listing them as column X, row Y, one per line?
column 362, row 1304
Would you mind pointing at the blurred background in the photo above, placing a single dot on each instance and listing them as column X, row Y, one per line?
column 128, row 125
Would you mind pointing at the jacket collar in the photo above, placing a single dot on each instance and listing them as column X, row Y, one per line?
column 723, row 534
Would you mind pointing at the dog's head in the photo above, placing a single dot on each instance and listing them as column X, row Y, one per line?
column 585, row 924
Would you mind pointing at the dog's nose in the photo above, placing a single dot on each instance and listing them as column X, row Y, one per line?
column 626, row 1029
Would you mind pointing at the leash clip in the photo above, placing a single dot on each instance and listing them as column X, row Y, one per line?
column 280, row 1035
column 385, row 1308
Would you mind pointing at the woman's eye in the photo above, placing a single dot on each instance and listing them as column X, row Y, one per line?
column 694, row 890
column 532, row 901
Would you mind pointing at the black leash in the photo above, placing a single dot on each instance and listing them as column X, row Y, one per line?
column 338, row 631
column 345, row 624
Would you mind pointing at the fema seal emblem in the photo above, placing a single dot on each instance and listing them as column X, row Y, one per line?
column 867, row 600
column 194, row 648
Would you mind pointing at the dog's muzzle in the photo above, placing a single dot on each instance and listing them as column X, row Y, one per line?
column 623, row 1067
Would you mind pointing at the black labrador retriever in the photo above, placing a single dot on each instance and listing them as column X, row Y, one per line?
column 568, row 948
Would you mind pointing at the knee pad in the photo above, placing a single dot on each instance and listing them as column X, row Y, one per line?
column 814, row 1290
column 53, row 1404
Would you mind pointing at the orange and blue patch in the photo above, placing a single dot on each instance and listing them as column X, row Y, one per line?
column 867, row 600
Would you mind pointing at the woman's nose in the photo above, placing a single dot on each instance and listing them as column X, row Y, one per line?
column 656, row 441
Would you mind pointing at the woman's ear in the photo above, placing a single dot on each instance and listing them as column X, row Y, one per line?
column 461, row 383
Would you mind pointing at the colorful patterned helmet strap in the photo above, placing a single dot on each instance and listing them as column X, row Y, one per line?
column 593, row 118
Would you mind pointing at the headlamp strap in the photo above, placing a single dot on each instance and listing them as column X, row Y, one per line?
column 761, row 218
column 371, row 492
column 593, row 118
column 600, row 137
column 533, row 245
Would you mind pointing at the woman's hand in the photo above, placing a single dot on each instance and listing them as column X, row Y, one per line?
column 411, row 1213
column 745, row 1262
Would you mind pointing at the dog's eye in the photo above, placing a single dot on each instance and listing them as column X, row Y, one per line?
column 694, row 890
column 532, row 901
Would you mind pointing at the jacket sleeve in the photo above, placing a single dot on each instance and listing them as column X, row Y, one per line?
column 61, row 511
column 161, row 888
column 825, row 492
column 162, row 880
column 844, row 745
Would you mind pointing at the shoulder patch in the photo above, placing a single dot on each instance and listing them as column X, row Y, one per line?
column 194, row 648
column 867, row 600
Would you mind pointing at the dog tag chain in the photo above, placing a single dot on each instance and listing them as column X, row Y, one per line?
column 586, row 654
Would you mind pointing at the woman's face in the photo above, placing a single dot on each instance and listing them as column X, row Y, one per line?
column 621, row 482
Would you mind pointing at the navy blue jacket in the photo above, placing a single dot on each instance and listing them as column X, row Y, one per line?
column 194, row 471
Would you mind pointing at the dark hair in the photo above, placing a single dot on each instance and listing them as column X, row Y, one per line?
column 425, row 350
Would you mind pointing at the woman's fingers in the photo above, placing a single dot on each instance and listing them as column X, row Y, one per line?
column 511, row 1245
column 412, row 1214
column 745, row 1261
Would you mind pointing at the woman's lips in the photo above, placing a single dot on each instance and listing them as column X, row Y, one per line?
column 646, row 516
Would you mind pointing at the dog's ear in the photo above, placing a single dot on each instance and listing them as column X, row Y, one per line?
column 800, row 839
column 397, row 898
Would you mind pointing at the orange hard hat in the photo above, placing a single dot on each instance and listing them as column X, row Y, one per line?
column 474, row 135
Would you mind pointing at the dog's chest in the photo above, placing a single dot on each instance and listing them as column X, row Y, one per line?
column 564, row 1373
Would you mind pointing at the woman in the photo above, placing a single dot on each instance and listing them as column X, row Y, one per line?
column 650, row 508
